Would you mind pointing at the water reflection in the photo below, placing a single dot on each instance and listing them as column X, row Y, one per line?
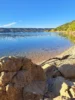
column 26, row 34
column 68, row 36
column 37, row 44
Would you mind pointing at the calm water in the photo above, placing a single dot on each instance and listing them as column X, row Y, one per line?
column 33, row 44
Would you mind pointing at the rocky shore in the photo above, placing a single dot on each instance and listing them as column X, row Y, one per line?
column 54, row 79
column 20, row 79
column 60, row 72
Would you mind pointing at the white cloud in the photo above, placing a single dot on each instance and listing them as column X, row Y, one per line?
column 9, row 24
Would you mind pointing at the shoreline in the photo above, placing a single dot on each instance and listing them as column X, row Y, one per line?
column 40, row 57
column 68, row 52
column 72, row 33
column 60, row 72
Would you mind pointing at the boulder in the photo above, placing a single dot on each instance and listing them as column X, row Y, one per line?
column 67, row 68
column 34, row 91
column 64, row 90
column 22, row 78
column 10, row 64
column 6, row 77
column 32, row 96
column 16, row 73
column 59, row 85
column 51, row 71
column 60, row 74
column 14, row 93
column 65, row 64
column 37, row 73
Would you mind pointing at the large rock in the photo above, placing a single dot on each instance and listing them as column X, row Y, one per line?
column 65, row 63
column 34, row 91
column 67, row 68
column 22, row 78
column 32, row 96
column 16, row 73
column 60, row 72
column 51, row 71
column 14, row 93
column 60, row 86
column 37, row 73
column 64, row 90
column 10, row 64
column 6, row 77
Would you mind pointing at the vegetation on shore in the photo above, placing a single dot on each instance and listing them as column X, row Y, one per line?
column 68, row 27
column 66, row 30
column 69, row 36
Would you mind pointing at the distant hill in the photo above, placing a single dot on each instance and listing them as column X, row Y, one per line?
column 23, row 29
column 65, row 27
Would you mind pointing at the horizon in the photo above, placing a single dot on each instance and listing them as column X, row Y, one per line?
column 36, row 27
column 36, row 14
column 24, row 27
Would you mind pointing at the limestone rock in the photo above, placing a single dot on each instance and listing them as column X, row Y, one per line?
column 16, row 73
column 61, row 85
column 52, row 71
column 34, row 91
column 27, row 64
column 37, row 73
column 36, row 87
column 58, row 98
column 22, row 78
column 32, row 96
column 6, row 77
column 64, row 90
column 72, row 91
column 56, row 85
column 67, row 68
column 10, row 64
column 65, row 63
column 14, row 93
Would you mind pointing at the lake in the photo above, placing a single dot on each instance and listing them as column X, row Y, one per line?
column 38, row 46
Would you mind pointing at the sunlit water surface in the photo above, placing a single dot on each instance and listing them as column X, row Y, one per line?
column 38, row 46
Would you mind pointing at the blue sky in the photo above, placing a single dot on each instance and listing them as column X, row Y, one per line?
column 36, row 13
